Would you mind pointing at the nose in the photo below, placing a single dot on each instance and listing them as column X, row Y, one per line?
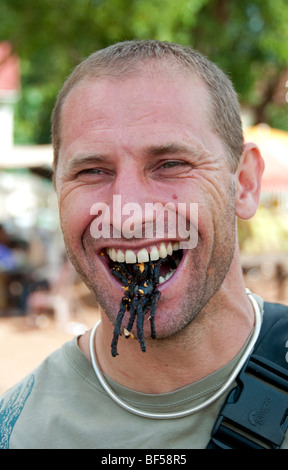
column 131, row 190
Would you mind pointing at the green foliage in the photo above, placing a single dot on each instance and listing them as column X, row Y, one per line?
column 249, row 39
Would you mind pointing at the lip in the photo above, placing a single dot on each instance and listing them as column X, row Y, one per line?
column 101, row 253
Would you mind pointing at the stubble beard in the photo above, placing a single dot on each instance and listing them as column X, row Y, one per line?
column 203, row 282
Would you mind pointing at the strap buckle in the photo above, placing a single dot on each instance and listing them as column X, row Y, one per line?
column 255, row 415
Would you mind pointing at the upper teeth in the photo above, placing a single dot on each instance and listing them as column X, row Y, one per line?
column 143, row 255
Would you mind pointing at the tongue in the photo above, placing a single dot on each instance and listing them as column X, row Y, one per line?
column 165, row 267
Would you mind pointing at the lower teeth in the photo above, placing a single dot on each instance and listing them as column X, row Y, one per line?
column 165, row 278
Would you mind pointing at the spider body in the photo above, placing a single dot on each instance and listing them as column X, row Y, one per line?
column 141, row 295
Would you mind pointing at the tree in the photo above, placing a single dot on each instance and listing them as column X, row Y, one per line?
column 252, row 46
column 248, row 39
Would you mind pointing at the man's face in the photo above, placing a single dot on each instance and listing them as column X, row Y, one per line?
column 147, row 139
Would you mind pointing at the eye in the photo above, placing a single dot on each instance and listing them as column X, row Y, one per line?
column 93, row 175
column 167, row 169
column 173, row 167
column 90, row 171
column 172, row 164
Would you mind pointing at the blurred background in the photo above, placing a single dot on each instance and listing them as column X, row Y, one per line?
column 42, row 301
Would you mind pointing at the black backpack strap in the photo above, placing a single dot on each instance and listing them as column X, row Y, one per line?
column 255, row 413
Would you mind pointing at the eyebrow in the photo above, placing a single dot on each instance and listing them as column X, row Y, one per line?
column 82, row 160
column 175, row 148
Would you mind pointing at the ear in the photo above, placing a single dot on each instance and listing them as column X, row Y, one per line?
column 249, row 176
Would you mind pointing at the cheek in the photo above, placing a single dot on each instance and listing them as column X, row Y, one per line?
column 75, row 216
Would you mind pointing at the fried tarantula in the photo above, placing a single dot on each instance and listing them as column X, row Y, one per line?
column 141, row 295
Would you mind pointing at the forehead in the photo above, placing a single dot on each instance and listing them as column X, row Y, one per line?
column 143, row 104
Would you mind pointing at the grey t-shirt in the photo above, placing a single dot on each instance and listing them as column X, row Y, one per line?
column 62, row 405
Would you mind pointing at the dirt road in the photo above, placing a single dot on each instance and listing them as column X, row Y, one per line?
column 23, row 347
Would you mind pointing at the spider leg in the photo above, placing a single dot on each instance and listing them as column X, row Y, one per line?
column 150, row 271
column 133, row 311
column 124, row 269
column 156, row 272
column 116, row 332
column 119, row 275
column 156, row 297
column 140, row 321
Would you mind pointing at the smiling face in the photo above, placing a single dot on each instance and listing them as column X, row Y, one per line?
column 147, row 139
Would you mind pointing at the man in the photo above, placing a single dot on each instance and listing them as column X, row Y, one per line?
column 148, row 122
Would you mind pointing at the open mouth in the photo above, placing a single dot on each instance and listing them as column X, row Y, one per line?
column 140, row 272
column 169, row 253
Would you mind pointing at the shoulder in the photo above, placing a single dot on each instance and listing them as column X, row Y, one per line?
column 51, row 407
column 11, row 407
column 24, row 405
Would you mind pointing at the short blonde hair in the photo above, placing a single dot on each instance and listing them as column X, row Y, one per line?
column 125, row 58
